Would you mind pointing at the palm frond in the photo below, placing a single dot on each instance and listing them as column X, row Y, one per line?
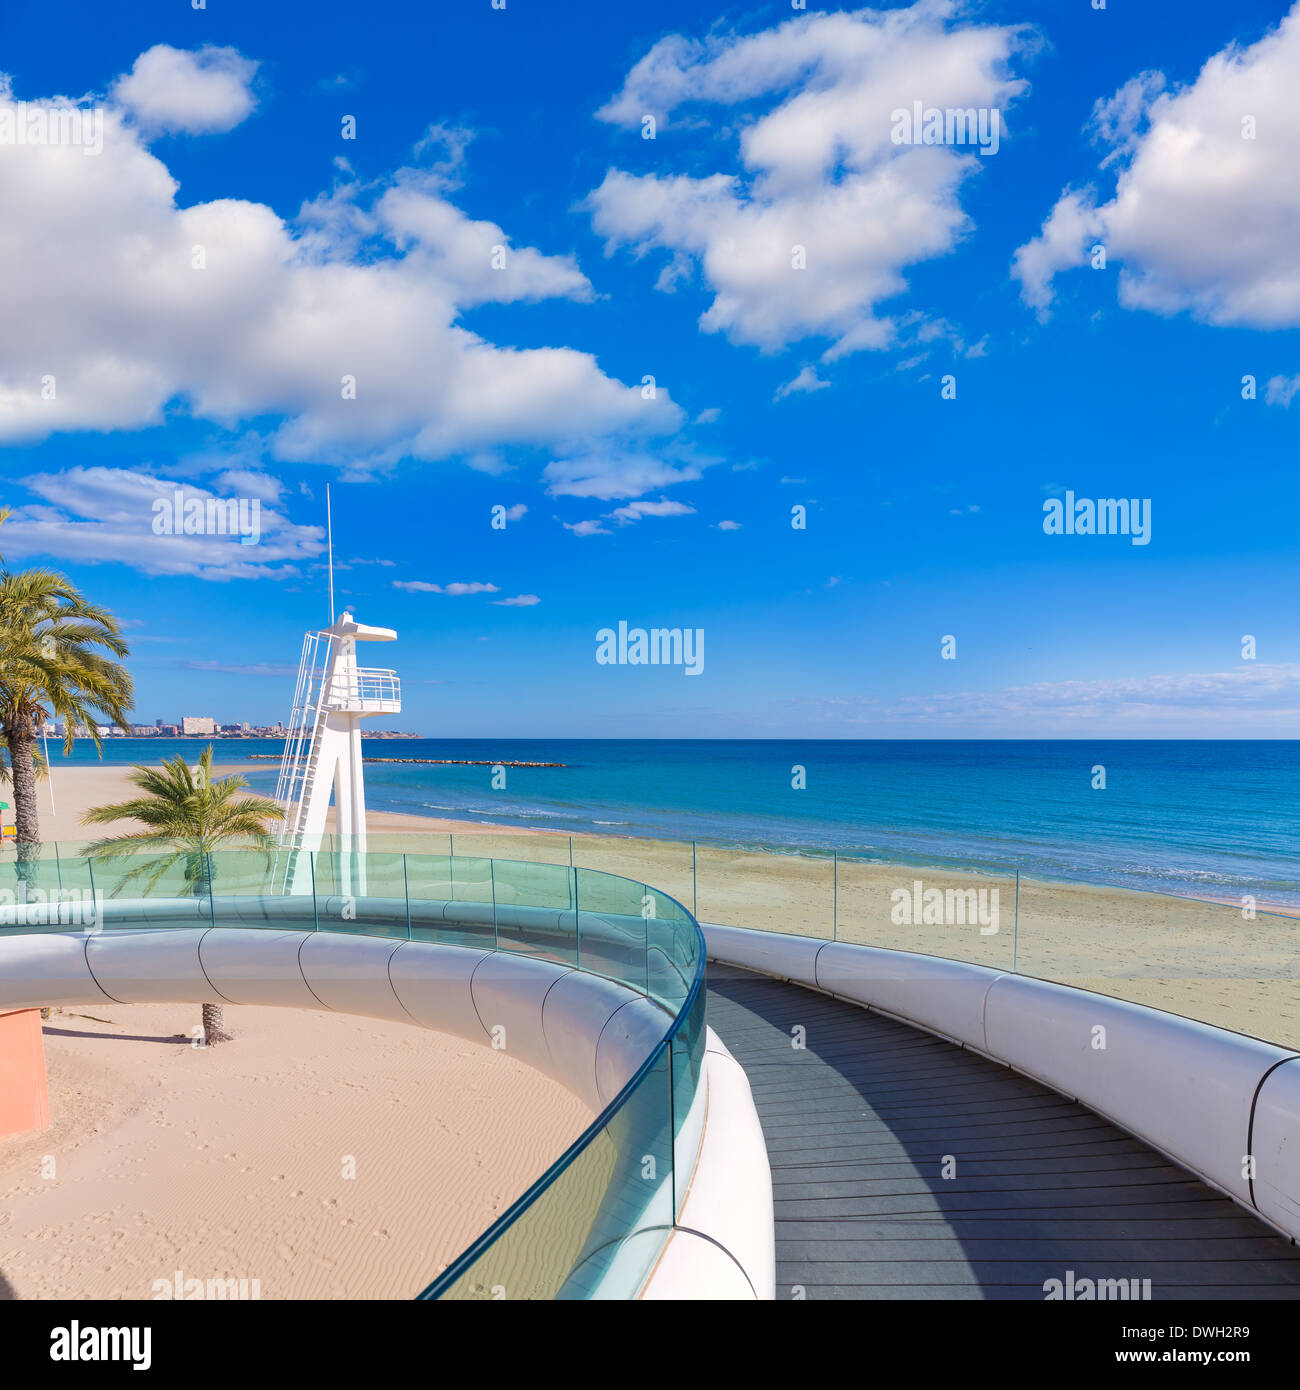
column 183, row 812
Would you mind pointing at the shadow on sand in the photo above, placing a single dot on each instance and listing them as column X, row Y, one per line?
column 176, row 1039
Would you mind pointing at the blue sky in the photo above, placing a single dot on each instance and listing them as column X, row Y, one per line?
column 626, row 258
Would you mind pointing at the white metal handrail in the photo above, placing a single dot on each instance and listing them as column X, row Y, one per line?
column 300, row 740
column 365, row 686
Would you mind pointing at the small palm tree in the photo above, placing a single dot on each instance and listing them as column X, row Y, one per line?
column 58, row 656
column 185, row 815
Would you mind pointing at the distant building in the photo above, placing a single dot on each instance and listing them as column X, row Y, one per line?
column 143, row 730
column 198, row 724
column 167, row 730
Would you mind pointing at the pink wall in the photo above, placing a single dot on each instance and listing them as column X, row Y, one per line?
column 24, row 1101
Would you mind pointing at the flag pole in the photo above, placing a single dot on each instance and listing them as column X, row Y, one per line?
column 49, row 771
column 329, row 526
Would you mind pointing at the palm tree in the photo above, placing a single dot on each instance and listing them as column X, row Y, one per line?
column 58, row 657
column 185, row 815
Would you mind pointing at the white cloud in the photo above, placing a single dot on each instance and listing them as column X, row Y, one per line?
column 257, row 668
column 1201, row 219
column 610, row 476
column 1255, row 696
column 1070, row 227
column 1282, row 390
column 1117, row 120
column 248, row 482
column 729, row 525
column 635, row 511
column 368, row 284
column 457, row 589
column 98, row 514
column 517, row 512
column 192, row 92
column 628, row 515
column 817, row 168
column 805, row 383
column 519, row 601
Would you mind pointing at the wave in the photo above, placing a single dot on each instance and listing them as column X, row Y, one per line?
column 520, row 812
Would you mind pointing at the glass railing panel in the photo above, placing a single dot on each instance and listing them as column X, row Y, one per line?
column 671, row 958
column 612, row 927
column 1231, row 964
column 668, row 864
column 963, row 914
column 421, row 842
column 50, row 892
column 360, row 892
column 471, row 880
column 596, row 1225
column 153, row 887
column 770, row 892
column 381, row 889
column 512, row 846
column 429, row 890
column 535, row 911
column 250, row 873
column 687, row 1053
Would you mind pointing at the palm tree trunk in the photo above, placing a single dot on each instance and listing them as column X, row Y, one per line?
column 214, row 1025
column 22, row 765
column 198, row 870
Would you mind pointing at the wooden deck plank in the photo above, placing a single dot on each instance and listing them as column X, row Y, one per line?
column 860, row 1121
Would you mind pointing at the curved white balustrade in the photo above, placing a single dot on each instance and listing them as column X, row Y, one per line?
column 1221, row 1104
column 587, row 1032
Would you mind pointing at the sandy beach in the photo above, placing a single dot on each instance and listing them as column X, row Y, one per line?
column 323, row 1155
column 228, row 1162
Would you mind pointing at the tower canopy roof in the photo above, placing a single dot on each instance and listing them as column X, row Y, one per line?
column 347, row 626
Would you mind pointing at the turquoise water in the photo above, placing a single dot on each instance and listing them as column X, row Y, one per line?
column 1198, row 817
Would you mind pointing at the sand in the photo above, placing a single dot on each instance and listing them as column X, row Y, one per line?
column 229, row 1162
column 226, row 1163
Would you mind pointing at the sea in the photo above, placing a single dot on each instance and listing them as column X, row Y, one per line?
column 1212, row 819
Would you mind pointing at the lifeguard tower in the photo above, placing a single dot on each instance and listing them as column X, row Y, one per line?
column 322, row 748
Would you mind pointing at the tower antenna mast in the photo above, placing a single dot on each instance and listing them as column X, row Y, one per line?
column 329, row 527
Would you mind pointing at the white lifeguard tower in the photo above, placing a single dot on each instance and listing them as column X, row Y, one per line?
column 322, row 747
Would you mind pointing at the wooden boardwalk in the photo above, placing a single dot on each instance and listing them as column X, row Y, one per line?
column 863, row 1122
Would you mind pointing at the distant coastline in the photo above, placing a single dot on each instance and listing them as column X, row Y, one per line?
column 448, row 762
